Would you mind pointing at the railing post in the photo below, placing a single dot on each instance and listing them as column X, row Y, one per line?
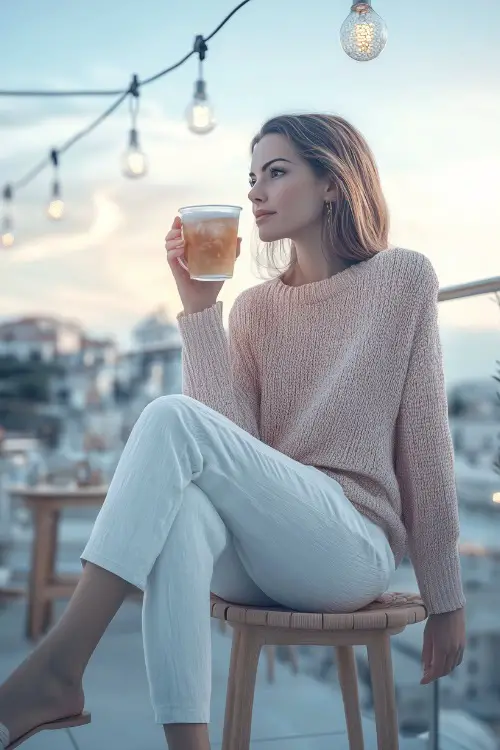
column 434, row 723
column 5, row 523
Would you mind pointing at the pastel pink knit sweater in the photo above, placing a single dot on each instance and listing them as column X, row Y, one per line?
column 345, row 374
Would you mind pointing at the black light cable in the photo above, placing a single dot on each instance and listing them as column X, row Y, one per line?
column 55, row 209
column 134, row 162
column 199, row 114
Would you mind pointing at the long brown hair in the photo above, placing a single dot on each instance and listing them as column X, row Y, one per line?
column 358, row 225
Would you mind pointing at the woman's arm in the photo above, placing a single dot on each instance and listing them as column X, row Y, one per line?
column 425, row 461
column 218, row 371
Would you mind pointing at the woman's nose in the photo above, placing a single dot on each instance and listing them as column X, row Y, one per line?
column 254, row 195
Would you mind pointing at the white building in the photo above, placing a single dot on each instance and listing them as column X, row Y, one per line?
column 47, row 338
column 156, row 332
column 42, row 338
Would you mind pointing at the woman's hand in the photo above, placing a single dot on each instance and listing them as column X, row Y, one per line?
column 444, row 644
column 195, row 295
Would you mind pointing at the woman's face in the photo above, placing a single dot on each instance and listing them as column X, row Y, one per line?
column 286, row 195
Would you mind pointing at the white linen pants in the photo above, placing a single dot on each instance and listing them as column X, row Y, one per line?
column 197, row 504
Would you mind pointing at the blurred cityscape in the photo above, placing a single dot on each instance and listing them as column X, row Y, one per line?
column 67, row 404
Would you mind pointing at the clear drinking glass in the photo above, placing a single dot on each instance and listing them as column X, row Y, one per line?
column 210, row 239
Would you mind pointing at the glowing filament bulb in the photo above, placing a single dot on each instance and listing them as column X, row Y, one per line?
column 363, row 34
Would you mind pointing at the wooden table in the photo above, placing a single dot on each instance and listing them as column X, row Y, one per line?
column 46, row 503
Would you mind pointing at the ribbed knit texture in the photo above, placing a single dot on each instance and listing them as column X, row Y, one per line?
column 346, row 374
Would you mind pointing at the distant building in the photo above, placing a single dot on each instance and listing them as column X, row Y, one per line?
column 98, row 351
column 50, row 339
column 156, row 332
column 41, row 338
column 476, row 399
column 155, row 360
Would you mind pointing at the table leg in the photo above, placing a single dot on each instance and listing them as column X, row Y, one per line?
column 40, row 611
column 48, row 615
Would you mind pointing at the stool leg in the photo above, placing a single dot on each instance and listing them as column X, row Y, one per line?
column 294, row 659
column 384, row 696
column 231, row 690
column 222, row 626
column 348, row 679
column 241, row 689
column 271, row 661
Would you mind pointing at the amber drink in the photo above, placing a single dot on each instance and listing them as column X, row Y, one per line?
column 210, row 239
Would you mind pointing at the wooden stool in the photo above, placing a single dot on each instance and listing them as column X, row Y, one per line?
column 372, row 627
column 271, row 655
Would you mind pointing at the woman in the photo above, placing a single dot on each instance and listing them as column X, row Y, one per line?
column 303, row 457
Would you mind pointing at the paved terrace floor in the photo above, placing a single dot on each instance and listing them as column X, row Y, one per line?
column 294, row 713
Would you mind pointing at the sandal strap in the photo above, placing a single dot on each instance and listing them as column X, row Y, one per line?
column 4, row 737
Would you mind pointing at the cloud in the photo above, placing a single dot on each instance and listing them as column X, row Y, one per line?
column 106, row 222
column 106, row 262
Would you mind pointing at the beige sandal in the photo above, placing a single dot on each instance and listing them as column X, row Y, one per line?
column 67, row 723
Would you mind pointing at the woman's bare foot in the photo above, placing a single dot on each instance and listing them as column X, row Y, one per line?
column 36, row 693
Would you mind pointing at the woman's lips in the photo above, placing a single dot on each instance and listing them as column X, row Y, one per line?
column 263, row 217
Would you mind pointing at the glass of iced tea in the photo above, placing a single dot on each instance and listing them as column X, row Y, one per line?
column 210, row 239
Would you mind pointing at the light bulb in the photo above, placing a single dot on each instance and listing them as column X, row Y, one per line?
column 363, row 35
column 55, row 210
column 134, row 162
column 7, row 236
column 7, row 239
column 199, row 113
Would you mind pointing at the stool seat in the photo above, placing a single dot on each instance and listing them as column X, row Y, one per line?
column 390, row 611
column 372, row 626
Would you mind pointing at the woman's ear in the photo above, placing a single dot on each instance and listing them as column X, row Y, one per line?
column 331, row 193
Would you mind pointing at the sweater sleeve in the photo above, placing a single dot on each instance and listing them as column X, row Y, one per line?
column 425, row 461
column 219, row 370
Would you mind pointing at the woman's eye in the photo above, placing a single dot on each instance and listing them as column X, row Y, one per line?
column 274, row 172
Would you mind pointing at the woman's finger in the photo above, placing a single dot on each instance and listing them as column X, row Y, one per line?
column 458, row 659
column 176, row 253
column 450, row 663
column 174, row 244
column 173, row 236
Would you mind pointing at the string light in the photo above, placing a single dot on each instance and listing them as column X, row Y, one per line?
column 199, row 114
column 134, row 162
column 7, row 221
column 363, row 34
column 55, row 209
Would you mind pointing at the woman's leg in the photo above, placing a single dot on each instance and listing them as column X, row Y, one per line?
column 48, row 684
column 298, row 537
column 198, row 557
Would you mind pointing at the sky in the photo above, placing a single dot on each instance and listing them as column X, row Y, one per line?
column 429, row 106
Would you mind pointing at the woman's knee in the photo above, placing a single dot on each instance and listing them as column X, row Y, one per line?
column 164, row 404
column 174, row 406
column 163, row 411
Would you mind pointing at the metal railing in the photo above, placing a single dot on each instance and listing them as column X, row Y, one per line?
column 459, row 291
column 470, row 289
